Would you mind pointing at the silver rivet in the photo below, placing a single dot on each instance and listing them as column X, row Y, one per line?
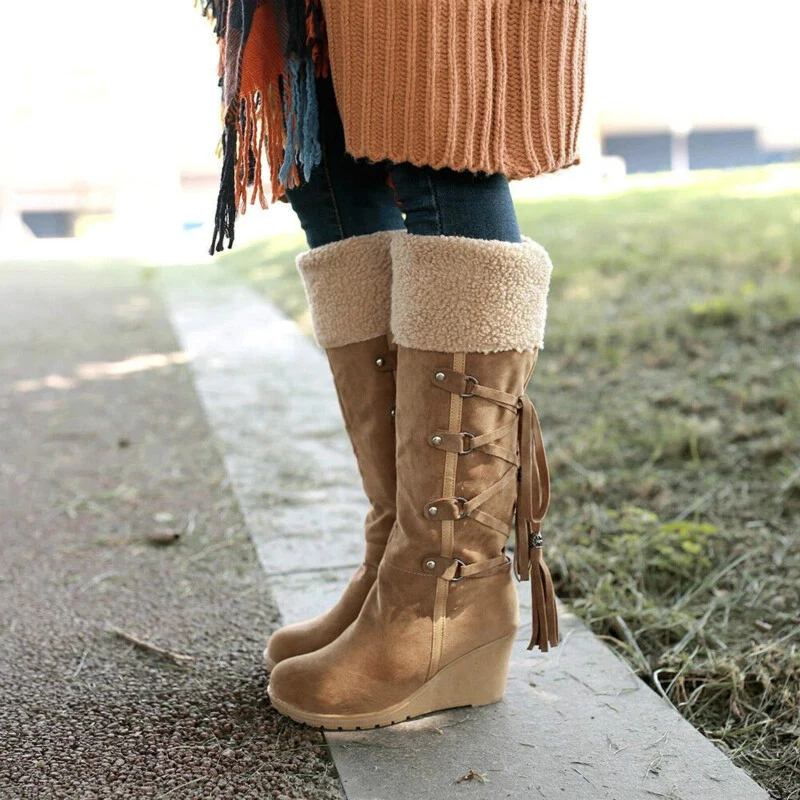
column 433, row 511
column 379, row 362
column 392, row 411
column 430, row 564
column 437, row 440
column 439, row 376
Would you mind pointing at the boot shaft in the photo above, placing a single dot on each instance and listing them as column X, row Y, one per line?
column 348, row 287
column 364, row 378
column 453, row 444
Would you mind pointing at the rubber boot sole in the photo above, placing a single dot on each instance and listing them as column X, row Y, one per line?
column 477, row 678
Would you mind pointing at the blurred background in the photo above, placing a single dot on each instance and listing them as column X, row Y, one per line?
column 109, row 133
column 669, row 389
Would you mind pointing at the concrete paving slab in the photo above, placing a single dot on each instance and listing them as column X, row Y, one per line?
column 286, row 456
column 576, row 723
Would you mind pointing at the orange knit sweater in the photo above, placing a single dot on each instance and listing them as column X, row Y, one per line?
column 483, row 85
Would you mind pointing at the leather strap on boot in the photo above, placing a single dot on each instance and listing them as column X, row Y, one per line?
column 533, row 501
column 530, row 470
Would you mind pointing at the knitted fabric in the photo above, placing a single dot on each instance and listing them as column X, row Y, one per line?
column 479, row 85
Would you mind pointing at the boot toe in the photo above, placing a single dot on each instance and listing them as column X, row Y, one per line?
column 310, row 686
column 294, row 684
column 285, row 643
column 314, row 634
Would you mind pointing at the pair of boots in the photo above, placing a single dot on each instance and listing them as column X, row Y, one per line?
column 432, row 341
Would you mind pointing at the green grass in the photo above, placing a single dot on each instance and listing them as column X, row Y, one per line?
column 669, row 392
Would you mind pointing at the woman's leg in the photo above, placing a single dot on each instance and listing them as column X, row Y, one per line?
column 349, row 215
column 469, row 299
column 343, row 197
column 443, row 202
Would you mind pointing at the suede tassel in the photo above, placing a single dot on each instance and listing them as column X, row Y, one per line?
column 532, row 504
column 544, row 633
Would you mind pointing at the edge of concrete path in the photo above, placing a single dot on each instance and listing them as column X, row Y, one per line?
column 575, row 723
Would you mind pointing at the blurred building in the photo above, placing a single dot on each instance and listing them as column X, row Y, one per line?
column 110, row 117
column 677, row 84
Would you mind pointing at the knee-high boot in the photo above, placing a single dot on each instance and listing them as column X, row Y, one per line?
column 438, row 625
column 348, row 286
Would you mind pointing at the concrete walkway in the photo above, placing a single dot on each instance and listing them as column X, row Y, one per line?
column 105, row 457
column 576, row 723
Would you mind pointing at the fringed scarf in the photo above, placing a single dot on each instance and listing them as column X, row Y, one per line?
column 270, row 53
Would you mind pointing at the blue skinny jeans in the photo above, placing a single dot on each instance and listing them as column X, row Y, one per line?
column 347, row 197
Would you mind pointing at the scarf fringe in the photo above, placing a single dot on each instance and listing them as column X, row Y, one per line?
column 226, row 201
column 317, row 38
column 277, row 123
column 302, row 151
column 217, row 11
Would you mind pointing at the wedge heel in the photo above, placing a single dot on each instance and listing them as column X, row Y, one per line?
column 477, row 678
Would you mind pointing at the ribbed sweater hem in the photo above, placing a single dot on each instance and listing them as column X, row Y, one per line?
column 482, row 85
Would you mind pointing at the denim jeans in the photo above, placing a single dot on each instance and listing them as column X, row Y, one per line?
column 347, row 197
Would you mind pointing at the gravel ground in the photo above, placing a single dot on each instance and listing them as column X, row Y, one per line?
column 104, row 457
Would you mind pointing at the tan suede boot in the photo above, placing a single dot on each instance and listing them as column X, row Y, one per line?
column 348, row 287
column 437, row 628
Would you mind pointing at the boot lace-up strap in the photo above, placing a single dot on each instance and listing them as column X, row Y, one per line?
column 455, row 570
column 533, row 496
column 468, row 386
column 455, row 508
column 465, row 442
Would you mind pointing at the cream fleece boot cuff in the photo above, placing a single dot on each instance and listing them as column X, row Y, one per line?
column 458, row 295
column 348, row 286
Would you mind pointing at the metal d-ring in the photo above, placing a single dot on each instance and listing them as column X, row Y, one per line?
column 470, row 437
column 463, row 501
column 461, row 577
column 474, row 381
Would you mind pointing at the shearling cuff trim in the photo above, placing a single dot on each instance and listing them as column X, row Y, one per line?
column 348, row 286
column 459, row 295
